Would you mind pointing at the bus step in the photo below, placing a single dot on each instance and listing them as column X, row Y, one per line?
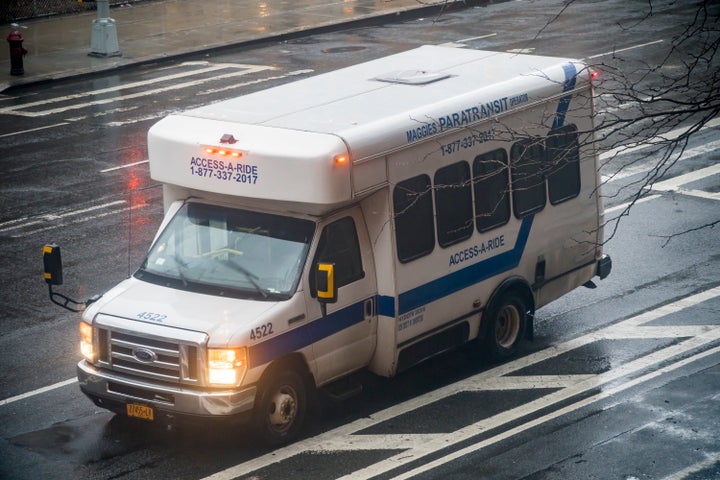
column 343, row 389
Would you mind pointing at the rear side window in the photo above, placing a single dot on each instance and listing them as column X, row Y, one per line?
column 414, row 222
column 453, row 203
column 528, row 181
column 563, row 164
column 491, row 187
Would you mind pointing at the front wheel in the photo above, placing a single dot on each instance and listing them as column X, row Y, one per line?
column 281, row 408
column 505, row 327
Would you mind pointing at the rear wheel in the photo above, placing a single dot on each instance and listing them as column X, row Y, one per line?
column 505, row 327
column 281, row 408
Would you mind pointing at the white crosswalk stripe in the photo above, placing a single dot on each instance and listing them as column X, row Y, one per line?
column 700, row 341
column 136, row 90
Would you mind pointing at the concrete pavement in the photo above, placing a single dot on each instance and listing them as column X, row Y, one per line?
column 58, row 46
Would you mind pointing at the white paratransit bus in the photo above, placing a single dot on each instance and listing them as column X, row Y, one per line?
column 367, row 218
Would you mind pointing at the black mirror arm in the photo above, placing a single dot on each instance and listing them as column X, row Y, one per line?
column 68, row 303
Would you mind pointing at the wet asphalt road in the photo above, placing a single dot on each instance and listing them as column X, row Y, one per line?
column 621, row 382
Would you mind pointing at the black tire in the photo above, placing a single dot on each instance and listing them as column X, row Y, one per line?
column 505, row 327
column 281, row 407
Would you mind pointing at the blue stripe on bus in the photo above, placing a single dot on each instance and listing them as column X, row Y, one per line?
column 316, row 330
column 570, row 80
column 307, row 334
column 386, row 305
column 468, row 276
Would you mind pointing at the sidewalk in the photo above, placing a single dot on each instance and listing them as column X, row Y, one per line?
column 58, row 47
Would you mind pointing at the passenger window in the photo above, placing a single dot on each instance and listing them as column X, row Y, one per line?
column 453, row 203
column 563, row 153
column 414, row 222
column 339, row 245
column 490, row 184
column 528, row 181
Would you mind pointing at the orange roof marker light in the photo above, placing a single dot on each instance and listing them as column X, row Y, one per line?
column 225, row 152
column 341, row 159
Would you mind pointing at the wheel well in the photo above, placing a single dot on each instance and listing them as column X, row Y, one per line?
column 522, row 288
column 293, row 361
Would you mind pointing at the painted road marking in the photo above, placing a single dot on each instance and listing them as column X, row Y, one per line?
column 613, row 52
column 621, row 106
column 30, row 130
column 127, row 165
column 103, row 113
column 689, row 153
column 693, row 176
column 241, row 69
column 162, row 113
column 624, row 206
column 38, row 391
column 11, row 224
column 711, row 460
column 674, row 184
column 657, row 141
column 254, row 82
column 462, row 43
column 698, row 344
column 552, row 415
column 21, row 227
column 21, row 109
column 124, row 86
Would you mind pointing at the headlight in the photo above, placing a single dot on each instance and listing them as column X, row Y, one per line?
column 226, row 366
column 86, row 341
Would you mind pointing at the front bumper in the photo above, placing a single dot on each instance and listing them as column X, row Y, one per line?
column 113, row 391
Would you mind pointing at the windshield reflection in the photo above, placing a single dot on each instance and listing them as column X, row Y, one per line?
column 225, row 251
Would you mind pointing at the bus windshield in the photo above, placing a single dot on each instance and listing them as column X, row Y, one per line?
column 231, row 252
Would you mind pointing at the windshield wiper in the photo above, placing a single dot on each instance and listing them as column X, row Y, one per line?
column 181, row 266
column 248, row 274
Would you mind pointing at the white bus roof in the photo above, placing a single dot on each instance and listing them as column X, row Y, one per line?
column 293, row 132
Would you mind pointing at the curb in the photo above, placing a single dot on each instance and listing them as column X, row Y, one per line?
column 407, row 13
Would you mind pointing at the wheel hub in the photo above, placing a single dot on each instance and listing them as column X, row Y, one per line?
column 283, row 411
column 507, row 327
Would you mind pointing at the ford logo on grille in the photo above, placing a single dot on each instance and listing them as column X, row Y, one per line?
column 144, row 355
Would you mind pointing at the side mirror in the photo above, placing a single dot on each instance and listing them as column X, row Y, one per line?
column 325, row 281
column 53, row 265
column 53, row 276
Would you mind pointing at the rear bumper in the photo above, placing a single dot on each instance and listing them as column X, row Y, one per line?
column 112, row 391
column 604, row 266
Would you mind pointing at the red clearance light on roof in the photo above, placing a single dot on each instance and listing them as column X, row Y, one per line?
column 594, row 74
column 225, row 152
column 341, row 159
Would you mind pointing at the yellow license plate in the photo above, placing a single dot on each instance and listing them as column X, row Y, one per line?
column 137, row 410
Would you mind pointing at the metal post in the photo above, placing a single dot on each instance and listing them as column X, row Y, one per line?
column 104, row 41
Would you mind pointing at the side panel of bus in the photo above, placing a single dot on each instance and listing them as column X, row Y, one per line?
column 512, row 198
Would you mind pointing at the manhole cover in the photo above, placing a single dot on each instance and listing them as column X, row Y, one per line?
column 343, row 49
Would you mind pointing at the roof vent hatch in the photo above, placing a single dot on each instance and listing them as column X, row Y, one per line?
column 412, row 77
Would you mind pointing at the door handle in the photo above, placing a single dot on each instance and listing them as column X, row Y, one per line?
column 297, row 318
column 369, row 308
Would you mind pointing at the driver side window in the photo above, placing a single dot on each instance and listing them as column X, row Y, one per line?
column 339, row 245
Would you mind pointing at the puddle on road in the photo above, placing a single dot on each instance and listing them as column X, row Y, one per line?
column 103, row 436
column 92, row 438
column 597, row 357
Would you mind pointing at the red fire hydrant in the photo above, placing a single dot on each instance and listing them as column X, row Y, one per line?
column 17, row 52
